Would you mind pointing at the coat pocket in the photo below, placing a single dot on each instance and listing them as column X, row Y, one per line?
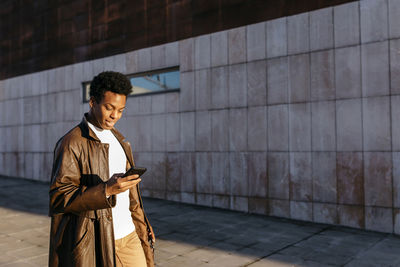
column 84, row 250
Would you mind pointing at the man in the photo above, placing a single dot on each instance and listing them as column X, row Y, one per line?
column 97, row 216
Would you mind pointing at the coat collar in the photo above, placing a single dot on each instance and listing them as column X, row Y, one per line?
column 88, row 133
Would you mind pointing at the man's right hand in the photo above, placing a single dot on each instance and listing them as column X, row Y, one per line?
column 117, row 184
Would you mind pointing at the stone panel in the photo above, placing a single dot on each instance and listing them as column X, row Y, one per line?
column 298, row 33
column 186, row 55
column 376, row 124
column 379, row 219
column 322, row 75
column 301, row 210
column 172, row 54
column 220, row 130
column 300, row 127
column 352, row 216
column 257, row 83
column 238, row 129
column 144, row 59
column 119, row 63
column 240, row 204
column 257, row 173
column 219, row 87
column 394, row 13
column 204, row 199
column 374, row 20
column 132, row 62
column 187, row 131
column 159, row 161
column 28, row 166
column 220, row 173
column 203, row 131
column 257, row 129
column 258, row 205
column 238, row 173
column 237, row 45
column 277, row 80
column 394, row 66
column 145, row 159
column 348, row 72
column 157, row 103
column 188, row 171
column 158, row 142
column 300, row 176
column 378, row 179
column 255, row 35
column 12, row 140
column 375, row 69
column 173, row 196
column 219, row 48
column 28, row 109
column 276, row 37
column 396, row 226
column 222, row 202
column 173, row 132
column 325, row 213
column 188, row 198
column 36, row 89
column 87, row 73
column 278, row 175
column 396, row 179
column 237, row 85
column 202, row 47
column 349, row 125
column 347, row 24
column 187, row 93
column 299, row 78
column 279, row 208
column 144, row 105
column 321, row 29
column 173, row 174
column 323, row 126
column 395, row 101
column 145, row 138
column 203, row 172
column 202, row 89
column 71, row 101
column 324, row 177
column 350, row 178
column 172, row 102
column 278, row 134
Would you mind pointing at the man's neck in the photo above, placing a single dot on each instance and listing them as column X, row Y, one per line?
column 92, row 119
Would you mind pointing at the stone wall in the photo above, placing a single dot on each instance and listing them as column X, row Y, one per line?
column 293, row 117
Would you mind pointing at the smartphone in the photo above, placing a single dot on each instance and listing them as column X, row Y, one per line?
column 135, row 170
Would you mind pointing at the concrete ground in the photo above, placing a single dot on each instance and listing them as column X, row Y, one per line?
column 198, row 236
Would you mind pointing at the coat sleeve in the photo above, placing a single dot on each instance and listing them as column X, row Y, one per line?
column 67, row 194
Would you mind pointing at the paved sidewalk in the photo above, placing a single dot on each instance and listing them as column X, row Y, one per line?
column 198, row 236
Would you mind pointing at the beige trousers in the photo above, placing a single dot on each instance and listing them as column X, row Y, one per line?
column 129, row 251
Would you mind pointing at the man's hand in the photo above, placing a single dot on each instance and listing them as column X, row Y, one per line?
column 117, row 184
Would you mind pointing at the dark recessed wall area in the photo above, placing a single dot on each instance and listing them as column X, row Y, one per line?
column 41, row 34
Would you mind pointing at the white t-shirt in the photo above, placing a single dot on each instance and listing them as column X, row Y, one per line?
column 122, row 220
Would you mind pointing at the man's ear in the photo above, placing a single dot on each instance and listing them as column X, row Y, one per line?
column 91, row 102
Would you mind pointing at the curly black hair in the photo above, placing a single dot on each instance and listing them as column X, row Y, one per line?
column 109, row 81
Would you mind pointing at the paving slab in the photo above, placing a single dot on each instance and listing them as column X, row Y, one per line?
column 189, row 235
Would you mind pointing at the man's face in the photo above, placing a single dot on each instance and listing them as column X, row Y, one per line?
column 109, row 110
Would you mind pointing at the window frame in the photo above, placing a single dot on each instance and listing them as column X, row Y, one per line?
column 86, row 84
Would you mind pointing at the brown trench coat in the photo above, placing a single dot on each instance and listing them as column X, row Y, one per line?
column 81, row 219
